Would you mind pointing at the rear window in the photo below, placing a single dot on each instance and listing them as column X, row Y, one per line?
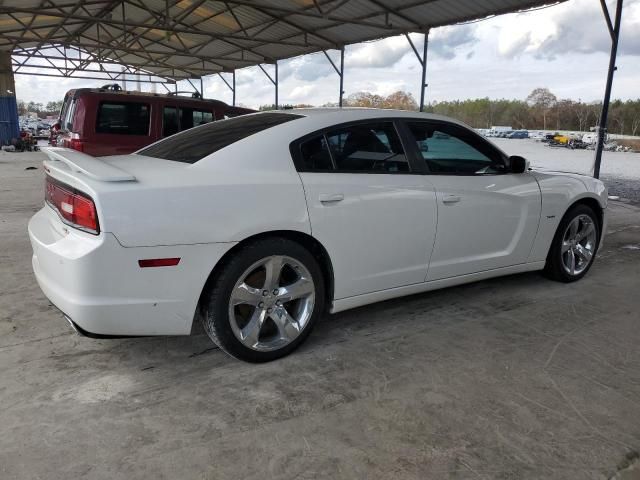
column 193, row 145
column 123, row 118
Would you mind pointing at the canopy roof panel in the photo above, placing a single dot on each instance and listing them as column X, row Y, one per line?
column 175, row 39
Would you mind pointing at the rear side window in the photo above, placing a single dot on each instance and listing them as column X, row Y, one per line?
column 68, row 110
column 170, row 123
column 176, row 119
column 190, row 117
column 315, row 154
column 123, row 118
column 193, row 145
column 359, row 148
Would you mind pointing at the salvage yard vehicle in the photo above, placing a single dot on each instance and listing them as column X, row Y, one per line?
column 258, row 224
column 111, row 121
column 518, row 134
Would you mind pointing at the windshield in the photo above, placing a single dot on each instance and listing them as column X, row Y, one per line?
column 195, row 144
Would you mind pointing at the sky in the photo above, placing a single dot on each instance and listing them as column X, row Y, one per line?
column 564, row 48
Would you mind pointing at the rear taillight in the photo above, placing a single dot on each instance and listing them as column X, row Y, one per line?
column 74, row 207
column 76, row 143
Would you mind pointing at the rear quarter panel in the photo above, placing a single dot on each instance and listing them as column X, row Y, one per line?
column 247, row 188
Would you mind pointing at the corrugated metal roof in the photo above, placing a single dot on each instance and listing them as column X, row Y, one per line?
column 190, row 38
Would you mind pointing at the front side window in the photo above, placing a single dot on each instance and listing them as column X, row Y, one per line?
column 449, row 149
column 367, row 147
column 195, row 144
column 123, row 118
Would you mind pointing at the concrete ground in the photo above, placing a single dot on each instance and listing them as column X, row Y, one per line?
column 512, row 378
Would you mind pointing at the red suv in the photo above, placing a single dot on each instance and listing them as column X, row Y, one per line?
column 110, row 121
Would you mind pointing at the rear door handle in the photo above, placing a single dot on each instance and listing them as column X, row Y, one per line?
column 451, row 199
column 331, row 197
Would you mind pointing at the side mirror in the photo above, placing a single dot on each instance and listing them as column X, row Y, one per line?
column 518, row 164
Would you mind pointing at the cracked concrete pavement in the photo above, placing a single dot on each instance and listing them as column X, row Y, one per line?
column 512, row 378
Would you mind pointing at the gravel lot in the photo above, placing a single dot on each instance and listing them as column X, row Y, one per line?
column 513, row 378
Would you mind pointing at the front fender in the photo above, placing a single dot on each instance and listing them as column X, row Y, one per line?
column 558, row 193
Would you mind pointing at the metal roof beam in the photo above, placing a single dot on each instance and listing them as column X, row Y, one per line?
column 169, row 81
column 174, row 30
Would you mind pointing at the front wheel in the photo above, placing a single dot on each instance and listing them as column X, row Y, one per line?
column 574, row 245
column 265, row 300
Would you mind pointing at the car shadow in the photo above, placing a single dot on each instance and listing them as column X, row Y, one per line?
column 446, row 306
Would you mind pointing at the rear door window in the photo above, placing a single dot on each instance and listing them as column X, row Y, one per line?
column 123, row 118
column 194, row 144
column 368, row 148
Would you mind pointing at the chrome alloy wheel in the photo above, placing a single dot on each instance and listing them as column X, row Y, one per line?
column 271, row 303
column 578, row 244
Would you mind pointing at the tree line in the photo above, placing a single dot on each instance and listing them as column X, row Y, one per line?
column 42, row 110
column 541, row 110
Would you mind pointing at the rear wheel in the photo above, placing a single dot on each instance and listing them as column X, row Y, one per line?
column 265, row 300
column 574, row 246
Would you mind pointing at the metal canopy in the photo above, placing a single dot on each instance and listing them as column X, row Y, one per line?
column 179, row 39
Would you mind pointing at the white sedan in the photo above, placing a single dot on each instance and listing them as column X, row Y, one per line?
column 258, row 224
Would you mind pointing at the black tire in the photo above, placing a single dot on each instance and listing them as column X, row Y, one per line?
column 215, row 302
column 554, row 267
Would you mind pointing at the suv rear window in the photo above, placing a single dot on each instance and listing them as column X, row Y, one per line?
column 195, row 144
column 123, row 118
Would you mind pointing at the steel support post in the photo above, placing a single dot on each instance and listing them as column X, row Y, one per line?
column 273, row 80
column 614, row 31
column 341, row 76
column 232, row 85
column 423, row 63
column 339, row 71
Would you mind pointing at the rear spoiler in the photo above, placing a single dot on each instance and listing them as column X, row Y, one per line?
column 86, row 164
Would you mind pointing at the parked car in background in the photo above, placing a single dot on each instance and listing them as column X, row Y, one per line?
column 518, row 134
column 537, row 135
column 110, row 121
column 257, row 225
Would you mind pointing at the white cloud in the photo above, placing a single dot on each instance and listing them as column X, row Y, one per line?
column 573, row 27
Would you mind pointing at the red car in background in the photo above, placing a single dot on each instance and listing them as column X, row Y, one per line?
column 110, row 121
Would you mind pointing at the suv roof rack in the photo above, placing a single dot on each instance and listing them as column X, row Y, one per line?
column 114, row 87
column 193, row 94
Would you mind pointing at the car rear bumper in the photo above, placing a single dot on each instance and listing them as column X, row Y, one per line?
column 99, row 285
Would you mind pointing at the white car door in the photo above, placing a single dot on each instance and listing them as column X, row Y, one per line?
column 369, row 208
column 487, row 216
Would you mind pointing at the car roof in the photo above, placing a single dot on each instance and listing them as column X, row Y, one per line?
column 326, row 116
column 275, row 140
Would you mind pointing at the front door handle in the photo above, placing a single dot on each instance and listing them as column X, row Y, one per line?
column 331, row 197
column 451, row 199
